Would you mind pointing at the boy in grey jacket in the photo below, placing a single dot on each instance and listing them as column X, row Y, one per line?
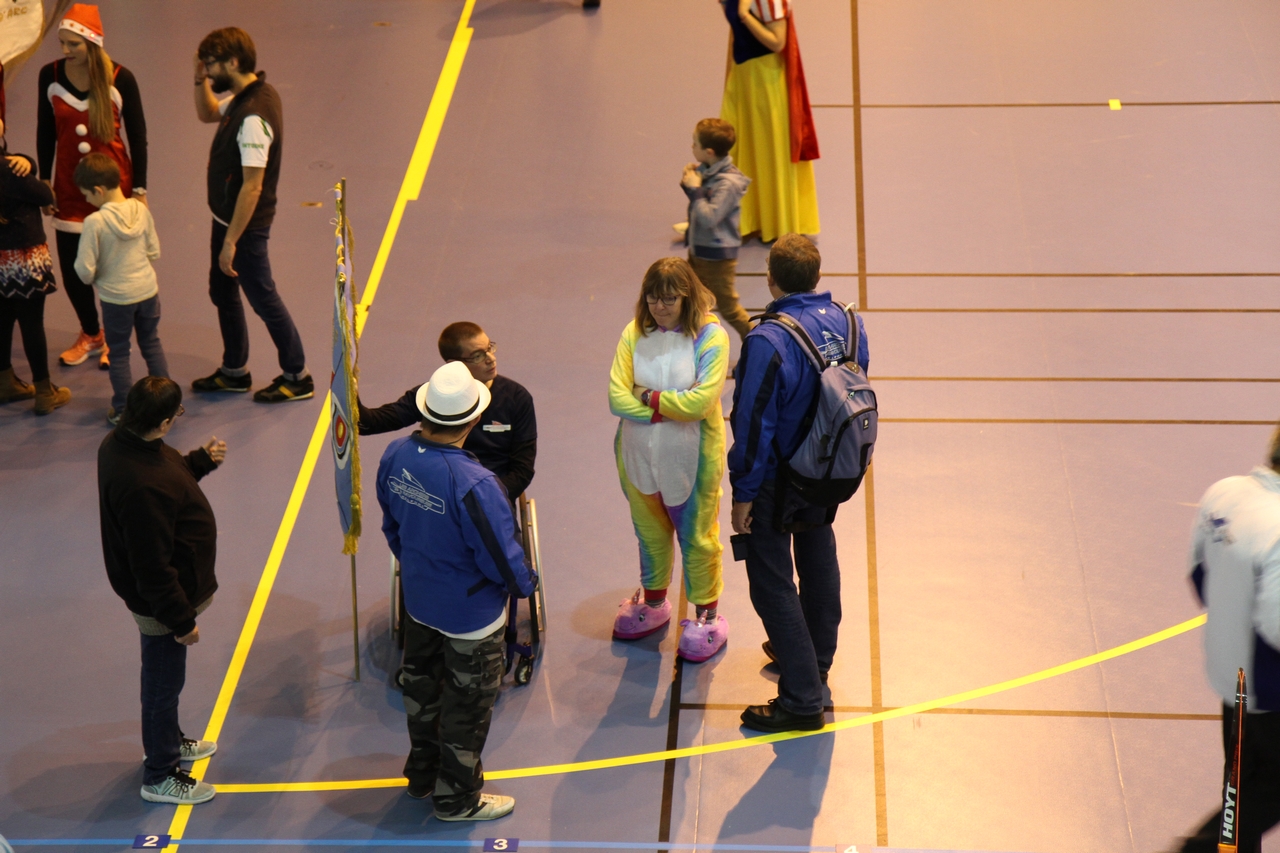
column 715, row 188
column 117, row 247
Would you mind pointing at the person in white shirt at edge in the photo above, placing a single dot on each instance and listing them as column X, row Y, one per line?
column 1235, row 572
column 244, row 168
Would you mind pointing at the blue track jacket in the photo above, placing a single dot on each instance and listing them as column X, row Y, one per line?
column 450, row 526
column 775, row 384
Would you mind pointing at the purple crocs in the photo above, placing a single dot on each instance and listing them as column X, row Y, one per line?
column 636, row 619
column 701, row 641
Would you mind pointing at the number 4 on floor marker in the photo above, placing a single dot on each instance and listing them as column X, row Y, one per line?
column 501, row 845
column 150, row 842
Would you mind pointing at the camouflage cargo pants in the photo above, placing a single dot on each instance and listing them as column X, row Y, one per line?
column 450, row 687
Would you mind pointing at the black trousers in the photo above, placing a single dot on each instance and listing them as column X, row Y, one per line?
column 29, row 315
column 802, row 621
column 81, row 294
column 1258, row 808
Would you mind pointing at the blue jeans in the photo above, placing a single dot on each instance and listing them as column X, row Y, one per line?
column 801, row 623
column 164, row 671
column 254, row 268
column 119, row 323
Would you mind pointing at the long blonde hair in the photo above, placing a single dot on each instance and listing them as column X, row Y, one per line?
column 102, row 120
column 674, row 277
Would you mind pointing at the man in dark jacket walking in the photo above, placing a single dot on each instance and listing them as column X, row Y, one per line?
column 450, row 525
column 244, row 168
column 159, row 541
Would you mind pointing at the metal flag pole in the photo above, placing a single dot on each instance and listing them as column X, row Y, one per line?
column 355, row 617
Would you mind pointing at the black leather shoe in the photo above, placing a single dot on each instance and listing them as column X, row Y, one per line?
column 775, row 718
column 768, row 651
column 421, row 790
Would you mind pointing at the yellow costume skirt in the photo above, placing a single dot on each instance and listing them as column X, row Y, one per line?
column 782, row 198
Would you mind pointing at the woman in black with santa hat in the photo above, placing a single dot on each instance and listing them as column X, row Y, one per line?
column 84, row 100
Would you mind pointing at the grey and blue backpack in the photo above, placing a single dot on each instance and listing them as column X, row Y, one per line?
column 840, row 428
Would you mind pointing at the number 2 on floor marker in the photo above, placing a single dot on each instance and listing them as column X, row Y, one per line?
column 501, row 845
column 150, row 842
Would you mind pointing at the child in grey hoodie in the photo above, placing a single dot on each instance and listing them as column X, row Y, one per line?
column 715, row 188
column 117, row 247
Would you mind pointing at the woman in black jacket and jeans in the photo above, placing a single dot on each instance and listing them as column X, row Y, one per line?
column 26, row 277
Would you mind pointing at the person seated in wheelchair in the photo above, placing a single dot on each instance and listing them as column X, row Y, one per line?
column 506, row 441
column 448, row 522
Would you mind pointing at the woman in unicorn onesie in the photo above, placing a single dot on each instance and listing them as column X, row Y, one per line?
column 665, row 387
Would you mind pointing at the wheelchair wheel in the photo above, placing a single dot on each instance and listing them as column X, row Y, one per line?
column 524, row 670
column 398, row 613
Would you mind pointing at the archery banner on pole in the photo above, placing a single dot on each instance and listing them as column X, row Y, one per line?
column 342, row 385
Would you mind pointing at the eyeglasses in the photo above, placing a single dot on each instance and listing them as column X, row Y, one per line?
column 665, row 300
column 481, row 355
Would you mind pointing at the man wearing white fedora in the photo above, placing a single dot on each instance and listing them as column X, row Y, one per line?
column 449, row 524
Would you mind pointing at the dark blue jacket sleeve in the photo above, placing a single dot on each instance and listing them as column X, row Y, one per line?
column 390, row 527
column 755, row 416
column 489, row 529
column 864, row 350
column 391, row 417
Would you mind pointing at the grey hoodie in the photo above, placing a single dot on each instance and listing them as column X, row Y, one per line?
column 117, row 247
column 714, row 210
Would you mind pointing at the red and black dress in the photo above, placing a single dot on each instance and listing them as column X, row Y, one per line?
column 62, row 139
column 26, row 270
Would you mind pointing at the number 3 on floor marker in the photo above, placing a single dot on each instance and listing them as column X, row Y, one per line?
column 150, row 842
column 501, row 845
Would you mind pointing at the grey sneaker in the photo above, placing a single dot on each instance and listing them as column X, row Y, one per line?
column 490, row 807
column 194, row 750
column 179, row 788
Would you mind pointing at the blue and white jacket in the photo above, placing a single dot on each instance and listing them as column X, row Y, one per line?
column 775, row 384
column 450, row 526
column 1235, row 567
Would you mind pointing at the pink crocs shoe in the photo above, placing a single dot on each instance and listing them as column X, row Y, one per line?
column 701, row 641
column 636, row 619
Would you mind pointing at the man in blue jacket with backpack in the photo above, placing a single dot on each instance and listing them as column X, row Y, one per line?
column 776, row 394
column 450, row 525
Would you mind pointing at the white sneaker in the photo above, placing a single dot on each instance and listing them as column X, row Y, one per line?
column 490, row 807
column 179, row 788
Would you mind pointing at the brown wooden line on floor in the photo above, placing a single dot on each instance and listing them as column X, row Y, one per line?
column 1072, row 379
column 981, row 712
column 1069, row 421
column 1083, row 421
column 1026, row 104
column 1132, row 274
column 754, row 311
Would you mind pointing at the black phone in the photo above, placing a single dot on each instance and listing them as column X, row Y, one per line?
column 738, row 542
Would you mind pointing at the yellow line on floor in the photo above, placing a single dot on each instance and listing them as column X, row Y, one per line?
column 728, row 746
column 409, row 190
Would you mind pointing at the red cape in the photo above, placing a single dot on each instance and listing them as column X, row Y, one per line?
column 804, row 136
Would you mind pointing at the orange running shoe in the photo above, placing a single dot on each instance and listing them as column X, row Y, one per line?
column 104, row 361
column 84, row 347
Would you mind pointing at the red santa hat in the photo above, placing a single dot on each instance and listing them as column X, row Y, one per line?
column 84, row 20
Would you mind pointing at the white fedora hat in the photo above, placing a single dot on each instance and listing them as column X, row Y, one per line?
column 453, row 396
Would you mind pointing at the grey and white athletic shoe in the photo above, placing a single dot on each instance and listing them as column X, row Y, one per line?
column 179, row 788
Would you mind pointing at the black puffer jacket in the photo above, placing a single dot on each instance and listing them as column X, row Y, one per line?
column 159, row 537
column 20, row 202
